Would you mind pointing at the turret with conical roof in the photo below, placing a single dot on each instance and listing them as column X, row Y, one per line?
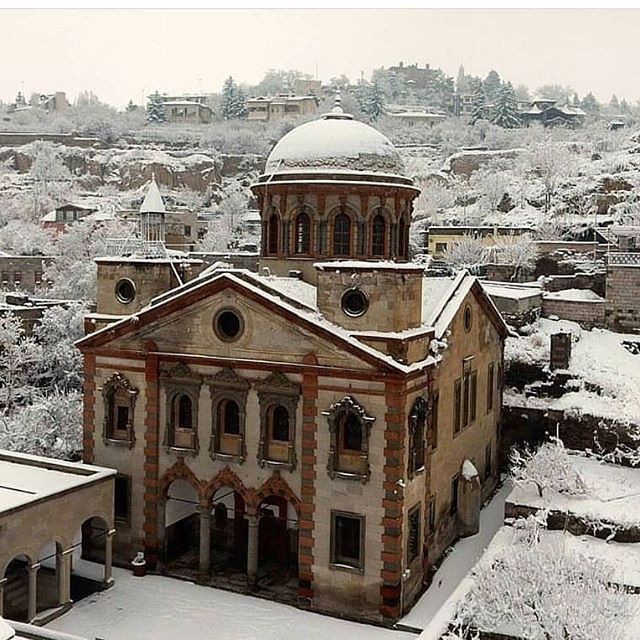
column 152, row 214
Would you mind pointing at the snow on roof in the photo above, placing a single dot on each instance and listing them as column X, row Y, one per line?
column 469, row 471
column 612, row 493
column 184, row 103
column 335, row 141
column 26, row 478
column 573, row 295
column 153, row 200
column 419, row 114
column 512, row 290
column 364, row 265
column 6, row 632
column 294, row 288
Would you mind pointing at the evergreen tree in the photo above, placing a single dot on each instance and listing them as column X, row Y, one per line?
column 20, row 101
column 575, row 101
column 233, row 100
column 590, row 104
column 613, row 103
column 479, row 104
column 155, row 110
column 624, row 106
column 131, row 106
column 462, row 83
column 506, row 112
column 370, row 99
column 492, row 86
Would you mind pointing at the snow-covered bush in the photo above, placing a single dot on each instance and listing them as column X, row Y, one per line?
column 540, row 591
column 465, row 253
column 548, row 468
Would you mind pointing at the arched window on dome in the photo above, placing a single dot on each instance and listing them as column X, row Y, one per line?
column 273, row 233
column 403, row 239
column 302, row 231
column 342, row 235
column 378, row 236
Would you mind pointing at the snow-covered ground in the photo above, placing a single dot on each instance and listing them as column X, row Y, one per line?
column 161, row 608
column 459, row 562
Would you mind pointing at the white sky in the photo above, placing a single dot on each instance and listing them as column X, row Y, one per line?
column 121, row 54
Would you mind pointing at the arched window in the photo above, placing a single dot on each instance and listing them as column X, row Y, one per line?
column 350, row 433
column 342, row 235
column 119, row 401
column 229, row 417
column 184, row 412
column 273, row 230
column 280, row 424
column 303, row 233
column 378, row 236
column 417, row 432
column 402, row 238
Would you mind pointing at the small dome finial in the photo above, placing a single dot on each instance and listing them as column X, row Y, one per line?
column 337, row 102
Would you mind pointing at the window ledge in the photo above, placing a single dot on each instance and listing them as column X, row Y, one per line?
column 337, row 566
column 181, row 451
column 117, row 442
column 350, row 475
column 277, row 464
column 215, row 455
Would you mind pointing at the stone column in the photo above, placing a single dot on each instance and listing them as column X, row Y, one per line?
column 205, row 538
column 252, row 549
column 3, row 581
column 33, row 592
column 108, row 558
column 63, row 561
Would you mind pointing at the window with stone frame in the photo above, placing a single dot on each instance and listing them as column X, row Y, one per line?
column 465, row 396
column 182, row 390
column 457, row 400
column 413, row 534
column 278, row 398
column 228, row 407
column 273, row 234
column 119, row 398
column 347, row 541
column 349, row 429
column 302, row 233
column 417, row 432
column 488, row 470
column 490, row 386
column 453, row 504
column 342, row 235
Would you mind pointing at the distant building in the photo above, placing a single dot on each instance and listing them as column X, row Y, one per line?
column 22, row 273
column 47, row 102
column 65, row 214
column 438, row 240
column 420, row 118
column 187, row 111
column 549, row 114
column 272, row 109
column 304, row 87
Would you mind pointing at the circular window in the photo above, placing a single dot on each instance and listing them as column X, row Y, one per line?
column 228, row 325
column 354, row 302
column 125, row 290
column 468, row 318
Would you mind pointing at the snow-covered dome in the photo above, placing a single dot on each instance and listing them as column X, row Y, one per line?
column 336, row 143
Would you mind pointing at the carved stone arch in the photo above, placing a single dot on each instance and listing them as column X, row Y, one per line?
column 336, row 415
column 180, row 470
column 277, row 390
column 227, row 477
column 118, row 395
column 29, row 554
column 276, row 485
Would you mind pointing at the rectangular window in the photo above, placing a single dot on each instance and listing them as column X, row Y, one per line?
column 413, row 541
column 487, row 461
column 347, row 540
column 490, row 383
column 17, row 277
column 187, row 230
column 465, row 398
column 434, row 419
column 122, row 417
column 431, row 517
column 441, row 247
column 473, row 400
column 5, row 277
column 457, row 399
column 38, row 277
column 122, row 497
column 454, row 494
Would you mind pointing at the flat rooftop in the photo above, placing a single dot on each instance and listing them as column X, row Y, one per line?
column 25, row 479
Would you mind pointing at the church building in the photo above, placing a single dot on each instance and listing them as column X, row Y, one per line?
column 319, row 432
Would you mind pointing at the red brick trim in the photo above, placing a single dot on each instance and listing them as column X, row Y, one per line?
column 88, row 407
column 151, row 459
column 306, row 524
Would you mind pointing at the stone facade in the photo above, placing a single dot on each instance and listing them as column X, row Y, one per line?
column 623, row 303
column 22, row 273
column 587, row 313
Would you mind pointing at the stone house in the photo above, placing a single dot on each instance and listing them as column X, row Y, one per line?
column 22, row 273
column 275, row 108
column 319, row 432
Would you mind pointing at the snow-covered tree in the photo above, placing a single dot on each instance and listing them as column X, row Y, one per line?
column 25, row 238
column 479, row 104
column 537, row 589
column 491, row 86
column 506, row 111
column 46, row 169
column 233, row 100
column 590, row 104
column 155, row 109
column 550, row 161
column 371, row 100
column 548, row 468
column 466, row 253
column 50, row 426
column 20, row 101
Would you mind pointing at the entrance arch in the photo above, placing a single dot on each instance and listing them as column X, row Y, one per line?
column 229, row 530
column 16, row 591
column 181, row 524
